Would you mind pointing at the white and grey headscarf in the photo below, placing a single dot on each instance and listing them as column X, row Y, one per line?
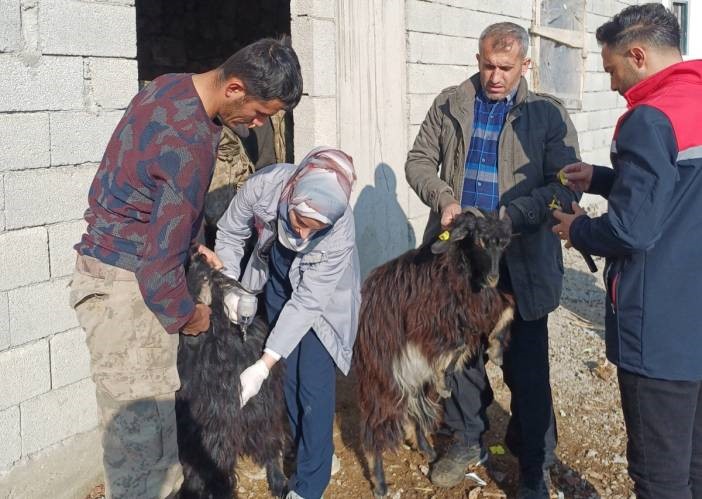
column 319, row 189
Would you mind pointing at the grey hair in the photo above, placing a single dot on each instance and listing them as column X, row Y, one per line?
column 504, row 34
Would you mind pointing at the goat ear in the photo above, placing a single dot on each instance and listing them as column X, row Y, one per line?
column 447, row 238
column 440, row 247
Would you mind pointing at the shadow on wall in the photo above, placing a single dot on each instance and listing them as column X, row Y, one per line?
column 382, row 229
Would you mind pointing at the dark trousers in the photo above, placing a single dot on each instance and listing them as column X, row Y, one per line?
column 310, row 395
column 310, row 388
column 531, row 432
column 664, row 429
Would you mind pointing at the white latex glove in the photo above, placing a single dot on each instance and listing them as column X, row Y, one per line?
column 251, row 380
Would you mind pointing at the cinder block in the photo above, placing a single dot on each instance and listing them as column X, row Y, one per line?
column 24, row 372
column 429, row 48
column 69, row 27
column 24, row 257
column 580, row 121
column 443, row 19
column 593, row 63
column 433, row 78
column 313, row 8
column 595, row 101
column 10, row 33
column 58, row 414
column 419, row 224
column 40, row 310
column 412, row 132
column 596, row 82
column 315, row 43
column 113, row 81
column 81, row 137
column 25, row 140
column 315, row 124
column 2, row 202
column 419, row 104
column 25, row 81
column 37, row 197
column 4, row 322
column 11, row 448
column 594, row 20
column 70, row 359
column 598, row 156
column 62, row 238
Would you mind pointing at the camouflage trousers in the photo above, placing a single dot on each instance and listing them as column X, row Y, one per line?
column 133, row 365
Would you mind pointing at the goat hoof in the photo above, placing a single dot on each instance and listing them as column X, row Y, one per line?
column 429, row 455
column 380, row 491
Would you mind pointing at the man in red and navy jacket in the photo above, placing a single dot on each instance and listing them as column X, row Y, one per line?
column 651, row 237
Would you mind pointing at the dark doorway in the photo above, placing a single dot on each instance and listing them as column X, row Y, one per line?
column 177, row 36
column 193, row 36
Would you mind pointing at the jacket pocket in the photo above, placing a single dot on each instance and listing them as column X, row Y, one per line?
column 613, row 275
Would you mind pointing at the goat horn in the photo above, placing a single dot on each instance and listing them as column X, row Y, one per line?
column 474, row 211
column 503, row 212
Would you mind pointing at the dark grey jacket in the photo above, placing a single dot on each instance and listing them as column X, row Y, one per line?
column 537, row 140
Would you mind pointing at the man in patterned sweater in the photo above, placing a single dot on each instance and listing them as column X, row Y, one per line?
column 145, row 210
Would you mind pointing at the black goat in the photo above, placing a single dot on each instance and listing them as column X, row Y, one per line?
column 423, row 314
column 213, row 430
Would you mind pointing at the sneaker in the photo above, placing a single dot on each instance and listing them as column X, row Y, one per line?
column 450, row 470
column 535, row 489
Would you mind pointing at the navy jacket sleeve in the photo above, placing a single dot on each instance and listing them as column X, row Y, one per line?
column 645, row 176
column 602, row 180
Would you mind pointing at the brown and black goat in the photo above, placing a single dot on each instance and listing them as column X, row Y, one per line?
column 423, row 314
column 213, row 430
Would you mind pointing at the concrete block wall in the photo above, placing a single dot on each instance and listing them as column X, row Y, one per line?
column 313, row 33
column 70, row 71
column 442, row 40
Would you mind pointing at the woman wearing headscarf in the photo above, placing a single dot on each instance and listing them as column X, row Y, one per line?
column 306, row 263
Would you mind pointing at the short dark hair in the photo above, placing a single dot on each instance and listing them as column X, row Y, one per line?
column 650, row 23
column 269, row 69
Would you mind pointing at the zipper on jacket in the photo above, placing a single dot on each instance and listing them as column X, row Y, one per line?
column 613, row 291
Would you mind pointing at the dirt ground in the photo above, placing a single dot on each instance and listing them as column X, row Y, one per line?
column 591, row 448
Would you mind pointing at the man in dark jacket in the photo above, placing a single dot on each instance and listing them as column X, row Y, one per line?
column 494, row 143
column 650, row 236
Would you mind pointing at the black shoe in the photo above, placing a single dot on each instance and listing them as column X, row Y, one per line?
column 450, row 470
column 538, row 488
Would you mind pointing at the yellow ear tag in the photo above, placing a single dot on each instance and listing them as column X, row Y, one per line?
column 562, row 177
column 445, row 236
column 554, row 204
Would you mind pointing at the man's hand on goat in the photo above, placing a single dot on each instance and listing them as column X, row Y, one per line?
column 251, row 380
column 562, row 228
column 210, row 257
column 200, row 320
column 448, row 214
column 577, row 176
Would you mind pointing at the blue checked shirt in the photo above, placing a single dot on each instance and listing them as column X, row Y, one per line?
column 480, row 185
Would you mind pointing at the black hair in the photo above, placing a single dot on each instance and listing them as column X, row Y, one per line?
column 649, row 23
column 269, row 69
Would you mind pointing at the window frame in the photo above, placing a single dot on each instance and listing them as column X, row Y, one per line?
column 570, row 38
column 684, row 21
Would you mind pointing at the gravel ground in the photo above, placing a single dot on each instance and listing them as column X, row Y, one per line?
column 591, row 449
